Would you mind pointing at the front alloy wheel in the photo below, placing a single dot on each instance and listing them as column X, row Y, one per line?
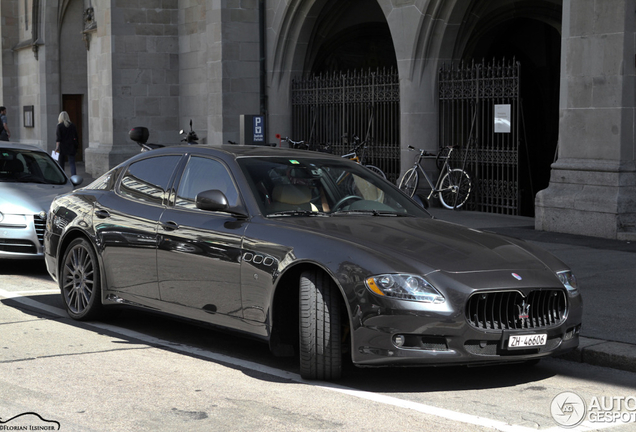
column 79, row 281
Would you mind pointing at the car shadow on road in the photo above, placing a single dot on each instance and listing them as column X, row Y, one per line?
column 35, row 268
column 177, row 334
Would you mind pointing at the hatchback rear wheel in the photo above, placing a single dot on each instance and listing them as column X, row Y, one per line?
column 320, row 337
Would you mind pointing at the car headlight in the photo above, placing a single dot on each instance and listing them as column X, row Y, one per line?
column 569, row 282
column 404, row 287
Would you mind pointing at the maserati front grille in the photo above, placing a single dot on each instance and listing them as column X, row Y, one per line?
column 512, row 310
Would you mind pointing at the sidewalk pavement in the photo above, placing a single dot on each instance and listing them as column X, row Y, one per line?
column 605, row 270
column 81, row 171
column 606, row 273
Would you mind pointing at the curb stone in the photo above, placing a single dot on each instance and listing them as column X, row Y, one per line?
column 598, row 352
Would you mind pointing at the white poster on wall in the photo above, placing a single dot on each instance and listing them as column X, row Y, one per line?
column 502, row 118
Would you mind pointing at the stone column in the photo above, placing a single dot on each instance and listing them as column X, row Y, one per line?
column 133, row 79
column 233, row 73
column 418, row 81
column 592, row 187
column 9, row 79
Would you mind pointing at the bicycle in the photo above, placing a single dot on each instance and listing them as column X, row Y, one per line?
column 357, row 155
column 296, row 144
column 453, row 185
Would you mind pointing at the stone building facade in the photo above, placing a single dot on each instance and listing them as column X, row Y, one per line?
column 117, row 64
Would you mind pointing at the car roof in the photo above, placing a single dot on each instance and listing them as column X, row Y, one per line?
column 238, row 151
column 18, row 146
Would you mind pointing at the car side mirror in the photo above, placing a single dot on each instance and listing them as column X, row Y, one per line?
column 76, row 180
column 215, row 200
column 212, row 200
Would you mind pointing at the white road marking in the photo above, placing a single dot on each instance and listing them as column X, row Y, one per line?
column 245, row 364
column 55, row 291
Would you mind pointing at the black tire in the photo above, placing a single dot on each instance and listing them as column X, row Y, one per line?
column 320, row 337
column 79, row 281
column 409, row 182
column 455, row 188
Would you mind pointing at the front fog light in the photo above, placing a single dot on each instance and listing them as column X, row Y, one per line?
column 398, row 340
column 404, row 287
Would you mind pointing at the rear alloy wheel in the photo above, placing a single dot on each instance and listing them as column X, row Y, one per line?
column 79, row 281
column 320, row 338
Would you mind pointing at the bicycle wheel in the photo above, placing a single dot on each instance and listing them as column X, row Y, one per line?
column 376, row 170
column 409, row 182
column 455, row 189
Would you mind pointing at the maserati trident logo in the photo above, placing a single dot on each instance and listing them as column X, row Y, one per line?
column 524, row 310
column 516, row 276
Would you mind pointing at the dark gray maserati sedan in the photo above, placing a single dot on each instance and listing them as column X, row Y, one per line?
column 312, row 253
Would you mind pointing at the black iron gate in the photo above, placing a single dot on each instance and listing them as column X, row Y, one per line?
column 329, row 109
column 479, row 106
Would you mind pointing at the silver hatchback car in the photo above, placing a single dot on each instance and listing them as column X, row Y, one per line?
column 29, row 180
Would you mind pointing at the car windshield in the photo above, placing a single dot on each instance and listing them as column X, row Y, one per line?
column 322, row 187
column 26, row 166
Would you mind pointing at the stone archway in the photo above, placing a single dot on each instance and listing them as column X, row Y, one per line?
column 352, row 35
column 532, row 37
column 529, row 32
column 314, row 36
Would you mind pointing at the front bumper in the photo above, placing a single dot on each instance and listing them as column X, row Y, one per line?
column 24, row 241
column 445, row 337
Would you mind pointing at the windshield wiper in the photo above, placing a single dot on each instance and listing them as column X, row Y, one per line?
column 297, row 213
column 386, row 213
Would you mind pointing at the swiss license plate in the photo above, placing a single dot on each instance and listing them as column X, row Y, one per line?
column 527, row 341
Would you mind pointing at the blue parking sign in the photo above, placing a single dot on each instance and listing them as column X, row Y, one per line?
column 258, row 129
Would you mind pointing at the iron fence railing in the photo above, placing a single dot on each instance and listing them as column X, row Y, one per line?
column 329, row 109
column 468, row 95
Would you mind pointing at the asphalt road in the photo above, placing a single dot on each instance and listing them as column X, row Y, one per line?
column 139, row 372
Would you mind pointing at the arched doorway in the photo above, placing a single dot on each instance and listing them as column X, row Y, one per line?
column 349, row 85
column 536, row 45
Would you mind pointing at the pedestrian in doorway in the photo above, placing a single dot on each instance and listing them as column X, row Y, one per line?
column 66, row 141
column 5, row 134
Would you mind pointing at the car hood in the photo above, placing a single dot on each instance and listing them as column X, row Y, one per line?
column 437, row 244
column 24, row 198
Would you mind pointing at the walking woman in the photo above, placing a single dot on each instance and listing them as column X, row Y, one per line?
column 66, row 141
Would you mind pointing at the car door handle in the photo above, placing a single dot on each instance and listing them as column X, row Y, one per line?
column 102, row 214
column 170, row 226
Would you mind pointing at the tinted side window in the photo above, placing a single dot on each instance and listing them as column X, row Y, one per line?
column 148, row 179
column 203, row 174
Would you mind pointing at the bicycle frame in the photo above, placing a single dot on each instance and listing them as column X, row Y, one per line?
column 435, row 188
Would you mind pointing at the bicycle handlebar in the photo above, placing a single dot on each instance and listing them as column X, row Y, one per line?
column 426, row 153
column 422, row 151
column 287, row 139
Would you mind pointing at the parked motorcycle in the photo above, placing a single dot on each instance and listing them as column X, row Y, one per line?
column 191, row 137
